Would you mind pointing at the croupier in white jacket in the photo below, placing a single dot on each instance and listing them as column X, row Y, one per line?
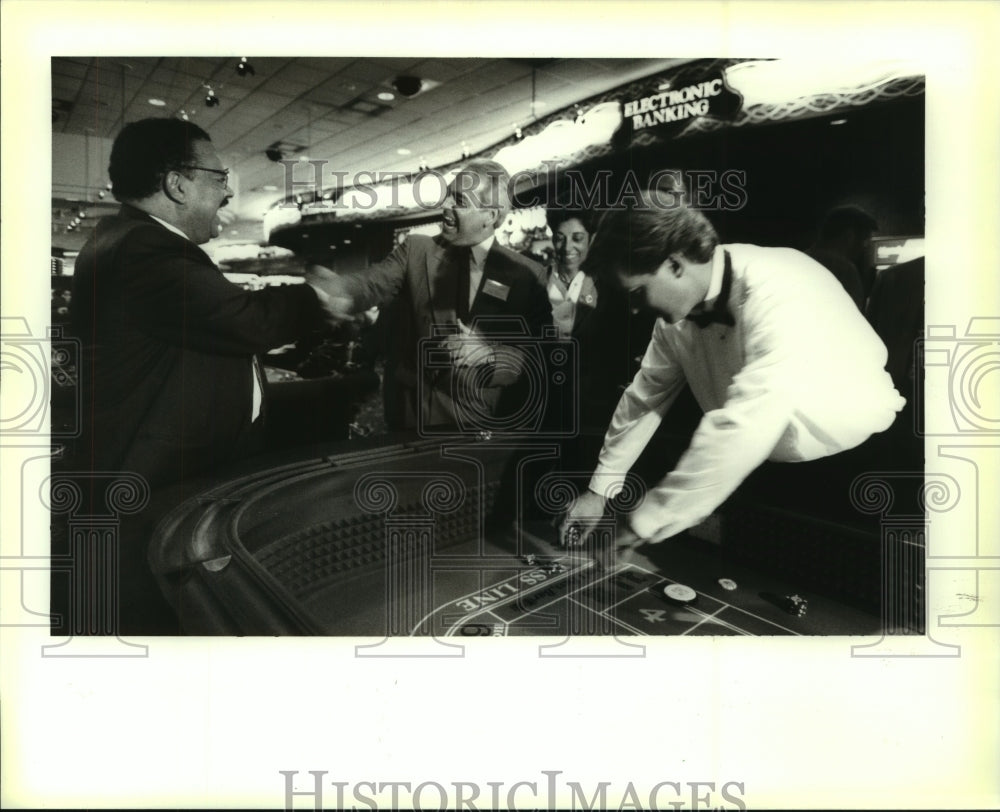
column 777, row 355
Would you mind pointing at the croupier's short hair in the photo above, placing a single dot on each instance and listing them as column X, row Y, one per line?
column 637, row 238
column 146, row 150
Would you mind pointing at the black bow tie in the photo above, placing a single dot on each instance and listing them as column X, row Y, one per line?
column 718, row 313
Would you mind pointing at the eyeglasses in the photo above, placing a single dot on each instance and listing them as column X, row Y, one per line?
column 223, row 172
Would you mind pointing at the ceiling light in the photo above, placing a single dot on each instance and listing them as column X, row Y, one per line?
column 157, row 102
column 211, row 100
column 386, row 96
column 408, row 85
column 403, row 151
column 244, row 68
column 837, row 121
column 270, row 187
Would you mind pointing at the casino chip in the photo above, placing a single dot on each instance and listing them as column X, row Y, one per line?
column 796, row 605
column 476, row 630
column 680, row 594
column 792, row 604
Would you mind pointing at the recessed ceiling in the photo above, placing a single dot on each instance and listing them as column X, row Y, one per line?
column 330, row 106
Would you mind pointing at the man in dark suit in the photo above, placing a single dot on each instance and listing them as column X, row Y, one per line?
column 463, row 306
column 171, row 384
column 843, row 248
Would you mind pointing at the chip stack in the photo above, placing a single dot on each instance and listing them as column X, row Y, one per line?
column 795, row 605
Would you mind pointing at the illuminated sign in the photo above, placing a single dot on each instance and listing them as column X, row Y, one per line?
column 673, row 108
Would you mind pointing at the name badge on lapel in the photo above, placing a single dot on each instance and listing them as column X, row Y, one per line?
column 497, row 290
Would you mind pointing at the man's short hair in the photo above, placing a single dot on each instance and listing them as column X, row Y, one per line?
column 497, row 177
column 638, row 238
column 842, row 219
column 146, row 150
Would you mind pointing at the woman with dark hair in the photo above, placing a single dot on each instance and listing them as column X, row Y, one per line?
column 596, row 313
column 570, row 242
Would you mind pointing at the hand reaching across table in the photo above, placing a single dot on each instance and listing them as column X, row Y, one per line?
column 581, row 518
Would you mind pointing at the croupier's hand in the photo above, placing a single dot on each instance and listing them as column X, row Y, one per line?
column 585, row 512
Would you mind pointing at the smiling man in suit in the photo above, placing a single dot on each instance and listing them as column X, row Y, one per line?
column 171, row 383
column 460, row 295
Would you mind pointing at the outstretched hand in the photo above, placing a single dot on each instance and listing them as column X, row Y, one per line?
column 332, row 291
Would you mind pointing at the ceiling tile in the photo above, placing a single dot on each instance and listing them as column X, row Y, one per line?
column 64, row 67
column 303, row 99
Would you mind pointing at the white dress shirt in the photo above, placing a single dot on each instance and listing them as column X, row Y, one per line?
column 563, row 298
column 257, row 398
column 170, row 227
column 801, row 375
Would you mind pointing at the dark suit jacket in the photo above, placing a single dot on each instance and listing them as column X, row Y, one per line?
column 610, row 340
column 846, row 272
column 168, row 345
column 896, row 311
column 420, row 279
